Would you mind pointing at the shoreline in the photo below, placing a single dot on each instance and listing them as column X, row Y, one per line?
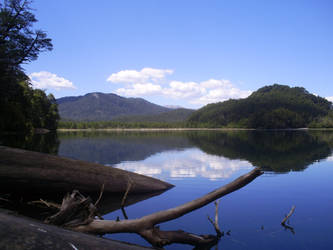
column 185, row 129
column 150, row 129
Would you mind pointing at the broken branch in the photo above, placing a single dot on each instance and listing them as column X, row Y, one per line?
column 216, row 222
column 129, row 185
column 288, row 215
column 145, row 226
column 46, row 203
column 100, row 195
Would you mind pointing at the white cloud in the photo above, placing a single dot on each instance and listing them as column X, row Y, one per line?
column 212, row 83
column 222, row 90
column 149, row 81
column 330, row 98
column 180, row 90
column 140, row 89
column 205, row 92
column 134, row 76
column 188, row 163
column 45, row 80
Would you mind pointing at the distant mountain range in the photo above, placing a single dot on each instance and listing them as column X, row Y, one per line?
column 105, row 107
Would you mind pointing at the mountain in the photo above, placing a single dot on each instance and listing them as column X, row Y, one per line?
column 103, row 107
column 274, row 107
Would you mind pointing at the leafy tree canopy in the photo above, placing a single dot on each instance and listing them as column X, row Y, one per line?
column 21, row 107
column 19, row 43
column 276, row 106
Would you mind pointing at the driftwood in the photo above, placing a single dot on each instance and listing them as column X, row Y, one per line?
column 146, row 226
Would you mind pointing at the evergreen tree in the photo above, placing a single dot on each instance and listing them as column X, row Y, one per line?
column 21, row 107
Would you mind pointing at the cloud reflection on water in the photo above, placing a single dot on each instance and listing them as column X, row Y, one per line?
column 189, row 163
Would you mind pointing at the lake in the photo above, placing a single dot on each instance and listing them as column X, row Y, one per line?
column 298, row 171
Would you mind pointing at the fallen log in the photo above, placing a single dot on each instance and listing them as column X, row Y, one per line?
column 146, row 226
column 39, row 174
column 20, row 233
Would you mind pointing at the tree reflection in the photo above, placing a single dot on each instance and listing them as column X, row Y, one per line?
column 115, row 147
column 278, row 151
column 45, row 143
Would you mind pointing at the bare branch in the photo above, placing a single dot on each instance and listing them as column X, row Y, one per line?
column 46, row 203
column 146, row 222
column 129, row 185
column 100, row 195
column 216, row 222
column 124, row 213
column 146, row 226
column 288, row 215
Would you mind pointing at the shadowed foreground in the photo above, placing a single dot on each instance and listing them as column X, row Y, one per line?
column 18, row 233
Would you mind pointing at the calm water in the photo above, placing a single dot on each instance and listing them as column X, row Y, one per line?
column 298, row 171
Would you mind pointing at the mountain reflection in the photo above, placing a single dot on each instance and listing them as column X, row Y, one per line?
column 206, row 154
column 278, row 151
column 209, row 154
column 188, row 163
column 115, row 147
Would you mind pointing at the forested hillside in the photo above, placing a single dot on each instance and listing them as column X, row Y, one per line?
column 174, row 115
column 104, row 107
column 275, row 106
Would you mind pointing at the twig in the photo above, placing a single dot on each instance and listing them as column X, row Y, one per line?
column 124, row 213
column 100, row 195
column 129, row 185
column 286, row 227
column 46, row 203
column 288, row 215
column 216, row 222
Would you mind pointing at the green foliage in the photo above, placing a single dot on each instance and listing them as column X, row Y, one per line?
column 104, row 107
column 275, row 106
column 323, row 122
column 19, row 43
column 28, row 109
column 179, row 115
column 21, row 107
column 116, row 124
column 278, row 151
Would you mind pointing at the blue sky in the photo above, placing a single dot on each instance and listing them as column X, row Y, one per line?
column 181, row 52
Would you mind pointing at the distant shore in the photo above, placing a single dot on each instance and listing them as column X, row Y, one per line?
column 150, row 129
column 183, row 129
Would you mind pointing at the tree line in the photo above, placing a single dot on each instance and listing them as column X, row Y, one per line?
column 117, row 124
